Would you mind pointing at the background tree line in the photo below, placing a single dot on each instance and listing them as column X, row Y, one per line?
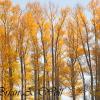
column 46, row 48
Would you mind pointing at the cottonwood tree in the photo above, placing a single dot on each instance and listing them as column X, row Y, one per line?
column 94, row 8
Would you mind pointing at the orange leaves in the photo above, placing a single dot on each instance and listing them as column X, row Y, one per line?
column 48, row 68
column 30, row 23
column 80, row 51
column 94, row 4
column 46, row 26
column 79, row 90
column 5, row 65
column 71, row 54
column 16, row 78
column 1, row 30
column 16, row 9
column 6, row 3
column 65, row 11
column 59, row 30
column 81, row 17
column 65, row 70
column 29, row 68
column 29, row 76
column 46, row 38
column 15, row 65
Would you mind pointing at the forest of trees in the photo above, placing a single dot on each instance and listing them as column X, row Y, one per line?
column 47, row 52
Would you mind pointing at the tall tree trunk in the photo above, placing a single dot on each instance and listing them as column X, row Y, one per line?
column 22, row 78
column 45, row 62
column 83, row 80
column 36, row 75
column 90, row 66
column 36, row 85
column 53, row 64
column 47, row 86
column 2, row 74
column 73, row 81
column 98, row 80
column 10, row 82
column 97, row 58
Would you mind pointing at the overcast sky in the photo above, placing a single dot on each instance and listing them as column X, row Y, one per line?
column 59, row 3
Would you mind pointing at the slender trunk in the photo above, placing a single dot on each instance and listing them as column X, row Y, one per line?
column 22, row 78
column 98, row 81
column 56, row 77
column 56, row 69
column 57, row 84
column 44, row 85
column 38, row 84
column 2, row 81
column 89, row 56
column 83, row 79
column 10, row 82
column 89, row 59
column 10, row 70
column 47, row 86
column 45, row 62
column 56, row 59
column 36, row 72
column 53, row 65
column 35, row 90
column 36, row 76
column 96, row 59
column 73, row 81
column 2, row 74
column 82, row 72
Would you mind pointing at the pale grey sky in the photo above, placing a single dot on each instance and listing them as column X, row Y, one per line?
column 59, row 3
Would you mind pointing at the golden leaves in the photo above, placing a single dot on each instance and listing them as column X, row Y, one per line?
column 30, row 22
column 80, row 51
column 1, row 30
column 6, row 3
column 48, row 68
column 65, row 11
column 15, row 65
column 16, row 78
column 16, row 9
column 29, row 76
